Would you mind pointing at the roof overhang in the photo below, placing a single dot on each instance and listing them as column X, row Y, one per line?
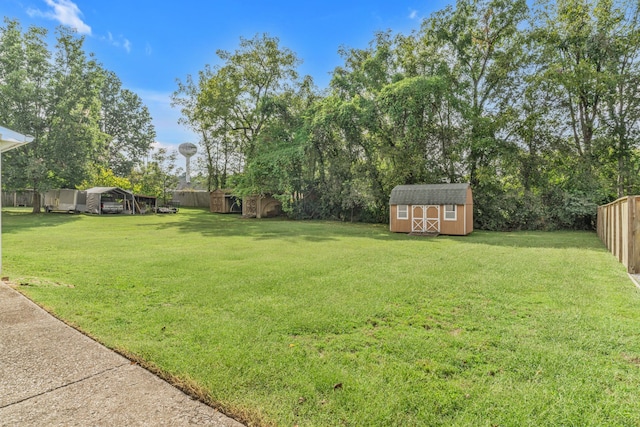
column 10, row 139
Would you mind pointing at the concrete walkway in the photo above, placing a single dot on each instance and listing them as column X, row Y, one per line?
column 51, row 374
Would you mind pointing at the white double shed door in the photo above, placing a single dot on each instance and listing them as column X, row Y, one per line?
column 425, row 218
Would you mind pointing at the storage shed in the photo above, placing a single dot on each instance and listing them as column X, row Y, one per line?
column 260, row 207
column 222, row 201
column 431, row 209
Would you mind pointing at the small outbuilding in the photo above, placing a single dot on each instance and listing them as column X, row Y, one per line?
column 431, row 209
column 65, row 200
column 223, row 201
column 114, row 200
column 261, row 207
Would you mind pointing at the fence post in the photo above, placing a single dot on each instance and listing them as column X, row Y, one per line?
column 633, row 254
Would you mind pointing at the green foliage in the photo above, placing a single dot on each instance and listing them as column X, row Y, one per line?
column 539, row 110
column 157, row 176
column 101, row 177
column 231, row 105
column 127, row 122
column 267, row 317
column 78, row 113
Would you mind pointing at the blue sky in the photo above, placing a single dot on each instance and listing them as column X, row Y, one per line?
column 150, row 44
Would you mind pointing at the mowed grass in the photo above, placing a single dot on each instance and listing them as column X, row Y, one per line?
column 330, row 324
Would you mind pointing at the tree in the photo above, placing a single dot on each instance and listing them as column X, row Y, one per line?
column 62, row 115
column 78, row 113
column 586, row 53
column 479, row 49
column 621, row 113
column 127, row 122
column 277, row 166
column 25, row 72
column 102, row 177
column 233, row 96
column 157, row 176
column 574, row 56
column 362, row 138
column 228, row 105
column 220, row 153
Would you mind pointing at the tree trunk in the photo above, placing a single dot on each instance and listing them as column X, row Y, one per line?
column 36, row 202
column 621, row 175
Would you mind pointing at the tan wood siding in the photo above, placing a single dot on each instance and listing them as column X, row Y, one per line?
column 618, row 227
column 399, row 225
column 463, row 224
column 469, row 211
column 454, row 228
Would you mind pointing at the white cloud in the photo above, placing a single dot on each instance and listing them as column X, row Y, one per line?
column 156, row 145
column 65, row 12
column 119, row 41
column 148, row 50
column 413, row 14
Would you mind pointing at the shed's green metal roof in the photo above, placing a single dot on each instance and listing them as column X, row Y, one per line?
column 430, row 194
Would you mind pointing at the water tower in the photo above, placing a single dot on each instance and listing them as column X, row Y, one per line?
column 188, row 149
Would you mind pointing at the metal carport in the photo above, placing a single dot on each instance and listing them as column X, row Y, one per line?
column 95, row 195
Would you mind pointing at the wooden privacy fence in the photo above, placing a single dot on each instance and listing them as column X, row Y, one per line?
column 19, row 198
column 618, row 227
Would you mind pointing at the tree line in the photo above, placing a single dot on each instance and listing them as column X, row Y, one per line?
column 88, row 130
column 536, row 107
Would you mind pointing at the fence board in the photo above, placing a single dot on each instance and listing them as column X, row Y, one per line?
column 618, row 227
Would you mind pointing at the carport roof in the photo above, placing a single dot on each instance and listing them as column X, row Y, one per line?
column 107, row 190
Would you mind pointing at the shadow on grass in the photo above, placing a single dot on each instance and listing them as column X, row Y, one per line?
column 201, row 221
column 15, row 220
column 536, row 239
column 230, row 225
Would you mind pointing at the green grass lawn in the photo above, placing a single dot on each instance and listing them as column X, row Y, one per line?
column 330, row 324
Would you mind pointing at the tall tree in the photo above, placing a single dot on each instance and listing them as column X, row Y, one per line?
column 234, row 94
column 77, row 112
column 621, row 112
column 127, row 122
column 586, row 51
column 72, row 116
column 478, row 46
column 157, row 176
column 221, row 155
column 363, row 135
column 574, row 57
column 277, row 165
column 25, row 73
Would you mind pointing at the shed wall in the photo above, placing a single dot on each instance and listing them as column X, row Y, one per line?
column 457, row 227
column 217, row 202
column 469, row 210
column 260, row 207
column 464, row 216
column 399, row 225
